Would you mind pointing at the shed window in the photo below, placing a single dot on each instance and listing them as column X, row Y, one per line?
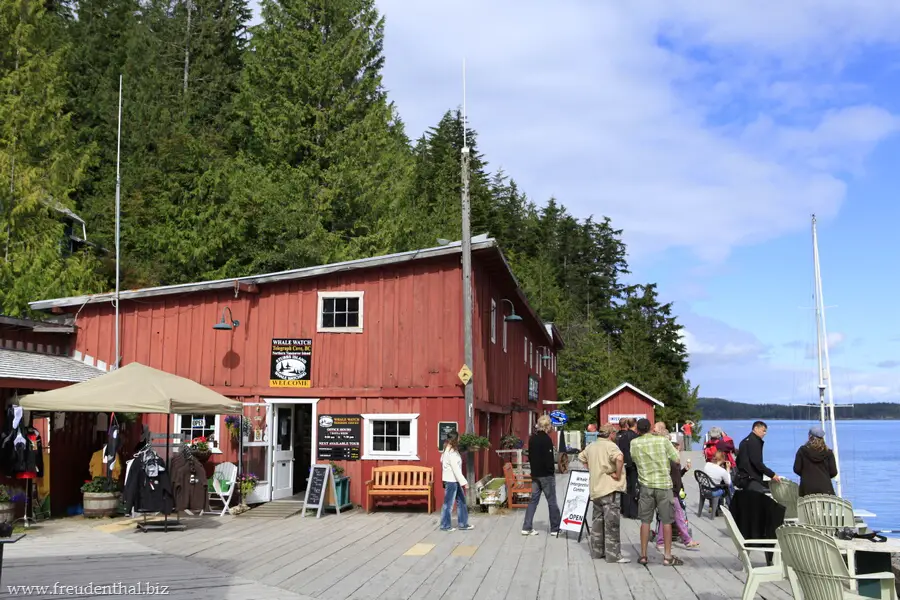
column 340, row 312
column 533, row 388
column 391, row 437
column 196, row 425
column 526, row 350
column 504, row 335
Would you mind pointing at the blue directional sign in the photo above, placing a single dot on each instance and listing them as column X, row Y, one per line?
column 558, row 418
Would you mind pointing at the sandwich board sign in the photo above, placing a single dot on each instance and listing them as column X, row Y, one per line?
column 319, row 476
column 575, row 506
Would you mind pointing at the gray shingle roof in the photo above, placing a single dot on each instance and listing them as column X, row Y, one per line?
column 15, row 364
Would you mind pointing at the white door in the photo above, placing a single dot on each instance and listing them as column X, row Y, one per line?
column 283, row 452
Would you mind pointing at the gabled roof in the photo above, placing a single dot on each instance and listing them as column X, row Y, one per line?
column 480, row 243
column 15, row 364
column 555, row 335
column 619, row 389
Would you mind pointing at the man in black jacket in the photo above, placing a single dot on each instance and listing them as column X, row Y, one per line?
column 750, row 465
column 543, row 477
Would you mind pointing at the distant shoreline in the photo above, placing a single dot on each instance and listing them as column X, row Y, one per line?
column 728, row 410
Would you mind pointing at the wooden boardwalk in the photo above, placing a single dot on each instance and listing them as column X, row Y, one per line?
column 384, row 555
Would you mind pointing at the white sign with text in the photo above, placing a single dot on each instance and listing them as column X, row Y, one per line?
column 578, row 496
column 617, row 418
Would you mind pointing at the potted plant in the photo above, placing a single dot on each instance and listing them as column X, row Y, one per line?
column 469, row 442
column 511, row 442
column 101, row 497
column 238, row 425
column 247, row 483
column 7, row 507
column 200, row 448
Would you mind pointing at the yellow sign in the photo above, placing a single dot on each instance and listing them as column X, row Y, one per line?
column 298, row 383
column 465, row 374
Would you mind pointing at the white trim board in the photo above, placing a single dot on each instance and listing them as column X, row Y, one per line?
column 619, row 389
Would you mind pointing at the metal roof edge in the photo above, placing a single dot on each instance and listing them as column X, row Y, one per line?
column 618, row 389
column 478, row 243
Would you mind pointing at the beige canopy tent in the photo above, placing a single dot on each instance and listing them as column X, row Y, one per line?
column 134, row 388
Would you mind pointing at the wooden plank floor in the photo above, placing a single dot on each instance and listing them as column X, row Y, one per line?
column 385, row 555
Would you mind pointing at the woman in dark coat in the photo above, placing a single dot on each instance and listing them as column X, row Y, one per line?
column 815, row 465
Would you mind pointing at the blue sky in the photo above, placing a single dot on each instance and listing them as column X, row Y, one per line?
column 709, row 132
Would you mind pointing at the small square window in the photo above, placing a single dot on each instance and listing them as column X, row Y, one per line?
column 391, row 437
column 340, row 312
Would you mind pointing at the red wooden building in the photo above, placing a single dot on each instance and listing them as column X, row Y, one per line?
column 38, row 356
column 378, row 340
column 623, row 402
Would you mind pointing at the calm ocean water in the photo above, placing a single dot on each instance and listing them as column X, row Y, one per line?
column 869, row 453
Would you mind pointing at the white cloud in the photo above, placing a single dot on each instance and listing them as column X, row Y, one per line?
column 692, row 124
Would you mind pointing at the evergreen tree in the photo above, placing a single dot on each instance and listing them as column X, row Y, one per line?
column 40, row 161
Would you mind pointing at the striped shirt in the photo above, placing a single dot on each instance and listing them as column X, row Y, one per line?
column 652, row 455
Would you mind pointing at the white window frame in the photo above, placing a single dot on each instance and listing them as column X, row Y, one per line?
column 335, row 294
column 526, row 350
column 530, row 355
column 504, row 336
column 540, row 366
column 493, row 321
column 217, row 429
column 369, row 429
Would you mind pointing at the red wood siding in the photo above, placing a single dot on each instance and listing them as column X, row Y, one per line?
column 625, row 402
column 412, row 336
column 501, row 378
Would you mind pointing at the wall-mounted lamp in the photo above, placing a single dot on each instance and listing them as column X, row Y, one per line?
column 223, row 325
column 513, row 317
column 545, row 356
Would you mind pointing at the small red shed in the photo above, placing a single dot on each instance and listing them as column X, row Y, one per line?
column 624, row 402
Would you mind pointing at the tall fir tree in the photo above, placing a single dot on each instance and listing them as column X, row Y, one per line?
column 40, row 161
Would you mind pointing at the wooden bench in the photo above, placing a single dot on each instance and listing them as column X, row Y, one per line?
column 401, row 481
column 516, row 485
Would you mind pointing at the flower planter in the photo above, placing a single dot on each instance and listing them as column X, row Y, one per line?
column 7, row 512
column 202, row 456
column 100, row 504
column 493, row 495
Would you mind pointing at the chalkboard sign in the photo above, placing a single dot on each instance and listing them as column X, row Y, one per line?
column 340, row 437
column 319, row 476
column 444, row 429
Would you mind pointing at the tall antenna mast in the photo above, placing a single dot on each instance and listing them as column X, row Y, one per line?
column 468, row 358
column 823, row 344
column 118, row 213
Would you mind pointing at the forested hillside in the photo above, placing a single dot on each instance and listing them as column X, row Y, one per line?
column 719, row 409
column 276, row 147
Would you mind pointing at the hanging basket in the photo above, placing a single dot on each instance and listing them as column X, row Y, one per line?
column 202, row 456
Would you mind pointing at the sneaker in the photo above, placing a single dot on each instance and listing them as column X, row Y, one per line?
column 448, row 529
column 554, row 533
column 467, row 528
column 529, row 532
column 623, row 561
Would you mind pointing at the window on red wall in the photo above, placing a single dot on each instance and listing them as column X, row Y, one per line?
column 533, row 388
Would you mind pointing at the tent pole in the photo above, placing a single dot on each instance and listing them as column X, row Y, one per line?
column 168, row 462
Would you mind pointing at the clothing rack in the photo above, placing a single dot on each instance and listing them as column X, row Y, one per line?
column 164, row 524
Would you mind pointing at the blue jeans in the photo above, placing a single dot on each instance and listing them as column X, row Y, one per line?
column 453, row 492
column 547, row 487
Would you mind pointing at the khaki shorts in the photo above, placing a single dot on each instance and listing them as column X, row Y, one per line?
column 653, row 500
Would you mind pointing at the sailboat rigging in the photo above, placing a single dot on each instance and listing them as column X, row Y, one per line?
column 824, row 362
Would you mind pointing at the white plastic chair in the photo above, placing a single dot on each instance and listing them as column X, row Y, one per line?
column 755, row 575
column 825, row 513
column 225, row 475
column 818, row 568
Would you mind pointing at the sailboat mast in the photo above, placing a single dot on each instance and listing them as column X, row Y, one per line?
column 818, row 327
column 823, row 344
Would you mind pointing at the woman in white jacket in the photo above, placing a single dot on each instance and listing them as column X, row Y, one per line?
column 454, row 485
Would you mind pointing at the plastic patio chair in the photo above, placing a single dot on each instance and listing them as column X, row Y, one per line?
column 786, row 493
column 755, row 575
column 224, row 480
column 818, row 569
column 825, row 513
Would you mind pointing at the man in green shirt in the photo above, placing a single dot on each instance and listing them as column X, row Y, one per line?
column 653, row 456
